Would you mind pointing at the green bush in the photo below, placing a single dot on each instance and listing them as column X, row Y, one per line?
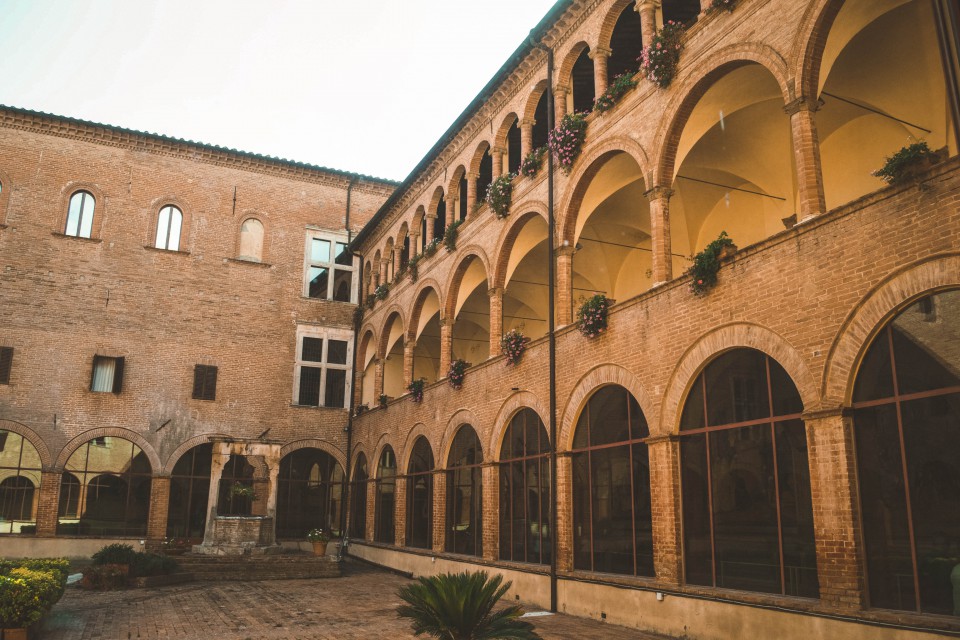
column 115, row 554
column 59, row 566
column 28, row 589
column 152, row 564
column 104, row 577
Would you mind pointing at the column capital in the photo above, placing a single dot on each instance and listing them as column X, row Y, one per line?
column 826, row 414
column 446, row 322
column 658, row 193
column 565, row 251
column 600, row 52
column 409, row 345
column 431, row 216
column 495, row 291
column 560, row 89
column 499, row 150
column 472, row 175
column 527, row 122
column 647, row 4
column 801, row 103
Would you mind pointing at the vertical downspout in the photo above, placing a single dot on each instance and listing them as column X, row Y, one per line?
column 345, row 502
column 948, row 35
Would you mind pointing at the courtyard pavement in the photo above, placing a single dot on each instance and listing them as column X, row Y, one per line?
column 361, row 604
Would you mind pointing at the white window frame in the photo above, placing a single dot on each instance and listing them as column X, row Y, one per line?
column 326, row 334
column 333, row 238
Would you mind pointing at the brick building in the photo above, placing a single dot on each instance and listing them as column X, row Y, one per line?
column 775, row 457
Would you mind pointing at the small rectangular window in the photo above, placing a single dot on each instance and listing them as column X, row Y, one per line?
column 204, row 382
column 6, row 364
column 329, row 268
column 107, row 375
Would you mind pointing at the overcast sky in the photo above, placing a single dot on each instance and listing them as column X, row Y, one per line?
column 359, row 86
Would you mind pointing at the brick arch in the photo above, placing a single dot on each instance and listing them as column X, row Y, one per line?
column 592, row 160
column 394, row 312
column 565, row 71
column 500, row 140
column 99, row 205
column 418, row 217
column 453, row 187
column 726, row 338
column 114, row 432
column 610, row 21
column 871, row 314
column 419, row 430
column 460, row 417
column 366, row 334
column 426, row 285
column 438, row 195
column 359, row 451
column 462, row 260
column 809, row 45
column 530, row 106
column 601, row 376
column 184, row 447
column 33, row 438
column 511, row 406
column 186, row 222
column 694, row 83
column 402, row 234
column 315, row 443
column 477, row 157
column 508, row 236
column 383, row 442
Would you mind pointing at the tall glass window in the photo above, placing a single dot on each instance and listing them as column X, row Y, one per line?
column 169, row 222
column 386, row 497
column 80, row 215
column 420, row 496
column 525, row 490
column 358, row 499
column 612, row 526
column 906, row 403
column 465, row 494
column 19, row 484
column 323, row 364
column 189, row 493
column 747, row 509
column 309, row 494
column 330, row 268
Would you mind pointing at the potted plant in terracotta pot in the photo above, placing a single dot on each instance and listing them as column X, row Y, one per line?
column 319, row 538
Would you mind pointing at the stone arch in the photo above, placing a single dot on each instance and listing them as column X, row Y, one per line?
column 184, row 447
column 403, row 457
column 511, row 406
column 315, row 443
column 601, row 376
column 33, row 438
column 453, row 187
column 460, row 417
column 114, row 432
column 425, row 286
column 508, row 236
column 809, row 46
column 481, row 149
column 402, row 233
column 453, row 284
column 438, row 195
column 694, row 84
column 530, row 106
column 565, row 71
column 589, row 164
column 610, row 21
column 393, row 312
column 897, row 291
column 418, row 217
column 500, row 140
column 725, row 338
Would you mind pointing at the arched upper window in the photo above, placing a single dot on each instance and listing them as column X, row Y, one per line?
column 309, row 494
column 906, row 403
column 612, row 525
column 385, row 524
column 420, row 496
column 525, row 490
column 189, row 493
column 465, row 494
column 20, row 469
column 169, row 222
column 80, row 215
column 105, row 490
column 251, row 240
column 358, row 499
column 747, row 509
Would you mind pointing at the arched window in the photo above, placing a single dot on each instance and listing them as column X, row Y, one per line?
column 385, row 523
column 465, row 494
column 358, row 499
column 309, row 494
column 110, row 478
column 906, row 403
column 237, row 490
column 19, row 483
column 525, row 490
column 440, row 222
column 747, row 510
column 169, row 222
column 189, row 493
column 251, row 240
column 80, row 215
column 420, row 496
column 583, row 83
column 612, row 526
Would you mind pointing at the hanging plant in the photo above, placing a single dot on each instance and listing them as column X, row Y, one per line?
column 659, row 60
column 361, row 409
column 384, row 399
column 722, row 5
column 450, row 236
column 458, row 371
column 413, row 267
column 617, row 89
column 498, row 195
column 706, row 264
column 908, row 162
column 416, row 389
column 512, row 345
column 358, row 314
column 431, row 247
column 532, row 163
column 243, row 491
column 592, row 315
column 380, row 293
column 566, row 141
column 371, row 300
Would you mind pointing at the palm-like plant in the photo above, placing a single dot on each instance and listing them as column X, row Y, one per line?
column 459, row 606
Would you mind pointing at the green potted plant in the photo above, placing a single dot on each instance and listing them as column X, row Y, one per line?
column 660, row 59
column 512, row 345
column 706, row 264
column 499, row 193
column 319, row 538
column 458, row 371
column 431, row 247
column 241, row 490
column 909, row 162
column 722, row 5
column 566, row 140
column 532, row 163
column 380, row 293
column 413, row 266
column 383, row 400
column 592, row 315
column 450, row 236
column 617, row 89
column 416, row 389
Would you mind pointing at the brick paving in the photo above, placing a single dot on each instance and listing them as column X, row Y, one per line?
column 359, row 605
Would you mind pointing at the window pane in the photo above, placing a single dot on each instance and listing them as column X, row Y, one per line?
column 875, row 378
column 736, row 385
column 343, row 256
column 342, row 285
column 581, row 512
column 924, row 340
column 692, row 416
column 612, row 517
column 608, row 416
column 103, row 370
column 696, row 510
column 319, row 250
column 337, row 351
column 73, row 214
column 786, row 398
column 176, row 222
column 312, row 350
column 642, row 511
column 796, row 511
column 319, row 276
column 336, row 388
column 86, row 216
column 309, row 386
column 163, row 225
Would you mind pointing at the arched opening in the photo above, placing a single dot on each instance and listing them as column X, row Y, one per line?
column 20, row 469
column 389, row 268
column 462, row 197
column 309, row 494
column 367, row 362
column 385, row 501
column 682, row 11
column 251, row 240
column 626, row 43
column 906, row 418
column 440, row 210
column 526, row 290
column 169, row 222
column 612, row 523
column 403, row 244
column 112, row 489
column 465, row 494
column 358, row 499
column 189, row 494
column 471, row 329
column 485, row 174
column 882, row 87
column 420, row 496
column 393, row 350
column 525, row 491
column 80, row 215
column 540, row 130
column 582, row 84
column 426, row 352
column 747, row 507
column 513, row 157
column 237, row 490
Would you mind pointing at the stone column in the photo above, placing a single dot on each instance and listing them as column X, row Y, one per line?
column 471, row 193
column 48, row 503
column 431, row 221
column 836, row 518
column 377, row 379
column 648, row 20
column 371, row 490
column 397, row 251
column 272, row 461
column 564, row 286
column 384, row 270
column 446, row 347
column 157, row 516
column 664, row 452
column 439, row 511
column 221, row 453
column 600, row 55
column 659, row 198
column 563, row 536
column 496, row 319
column 559, row 103
column 375, row 267
column 490, row 531
column 497, row 154
column 414, row 241
column 526, row 137
column 400, row 512
column 408, row 348
column 806, row 150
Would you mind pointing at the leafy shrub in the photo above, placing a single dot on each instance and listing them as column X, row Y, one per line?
column 380, row 293
column 620, row 85
column 458, row 371
column 532, row 163
column 450, row 236
column 592, row 315
column 566, row 141
column 414, row 265
column 29, row 588
column 104, row 577
column 897, row 167
column 115, row 554
column 706, row 264
column 416, row 389
column 659, row 60
column 499, row 194
column 152, row 564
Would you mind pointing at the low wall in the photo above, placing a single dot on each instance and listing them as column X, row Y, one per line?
column 60, row 547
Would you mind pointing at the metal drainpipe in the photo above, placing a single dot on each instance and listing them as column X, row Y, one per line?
column 344, row 519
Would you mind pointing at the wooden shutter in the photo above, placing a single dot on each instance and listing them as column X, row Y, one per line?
column 118, row 375
column 6, row 364
column 205, row 382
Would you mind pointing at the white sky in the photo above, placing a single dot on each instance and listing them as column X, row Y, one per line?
column 359, row 86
